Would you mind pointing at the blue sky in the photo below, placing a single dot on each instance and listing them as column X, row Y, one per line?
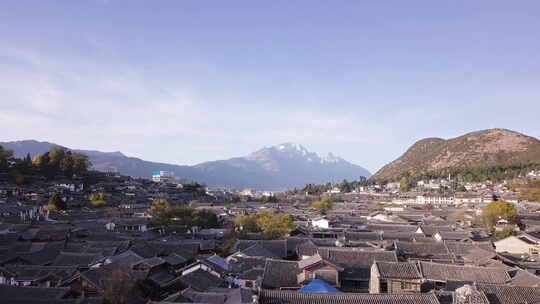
column 189, row 81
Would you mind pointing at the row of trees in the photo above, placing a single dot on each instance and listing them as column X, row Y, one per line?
column 531, row 191
column 345, row 186
column 58, row 161
column 271, row 224
column 164, row 214
column 496, row 173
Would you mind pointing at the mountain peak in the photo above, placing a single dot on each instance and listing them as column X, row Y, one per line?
column 292, row 147
column 331, row 158
column 277, row 167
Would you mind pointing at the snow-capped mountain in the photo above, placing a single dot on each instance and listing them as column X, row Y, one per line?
column 278, row 167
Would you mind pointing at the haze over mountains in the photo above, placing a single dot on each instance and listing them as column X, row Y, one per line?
column 272, row 168
column 480, row 148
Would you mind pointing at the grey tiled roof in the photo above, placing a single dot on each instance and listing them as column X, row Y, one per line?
column 201, row 280
column 292, row 297
column 317, row 259
column 76, row 259
column 257, row 250
column 502, row 294
column 424, row 250
column 280, row 273
column 525, row 279
column 278, row 248
column 9, row 293
column 398, row 270
column 454, row 235
column 447, row 272
column 352, row 258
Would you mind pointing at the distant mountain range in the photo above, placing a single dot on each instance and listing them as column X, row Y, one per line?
column 275, row 168
column 481, row 148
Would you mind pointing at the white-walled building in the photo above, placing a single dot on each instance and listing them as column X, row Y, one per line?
column 519, row 244
column 321, row 223
column 435, row 200
column 162, row 176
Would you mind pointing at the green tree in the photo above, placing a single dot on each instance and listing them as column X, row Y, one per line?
column 498, row 210
column 405, row 184
column 175, row 216
column 205, row 219
column 461, row 188
column 80, row 163
column 5, row 157
column 506, row 232
column 247, row 223
column 345, row 186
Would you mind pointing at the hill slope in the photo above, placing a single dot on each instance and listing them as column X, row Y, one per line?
column 481, row 148
column 275, row 168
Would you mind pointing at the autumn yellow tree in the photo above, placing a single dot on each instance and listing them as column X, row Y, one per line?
column 273, row 225
column 97, row 199
column 531, row 192
column 323, row 205
column 498, row 210
column 158, row 206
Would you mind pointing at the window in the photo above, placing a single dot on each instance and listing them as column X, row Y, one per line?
column 249, row 284
column 406, row 285
column 384, row 286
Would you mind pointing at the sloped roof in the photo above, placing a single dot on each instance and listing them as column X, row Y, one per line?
column 292, row 297
column 398, row 270
column 76, row 259
column 278, row 248
column 257, row 250
column 201, row 280
column 306, row 263
column 219, row 261
column 352, row 258
column 525, row 279
column 280, row 273
column 454, row 235
column 447, row 272
column 33, row 272
column 504, row 294
column 424, row 250
column 398, row 235
column 479, row 256
column 9, row 293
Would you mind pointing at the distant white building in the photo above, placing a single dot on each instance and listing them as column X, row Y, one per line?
column 392, row 186
column 533, row 174
column 435, row 200
column 431, row 184
column 404, row 201
column 334, row 190
column 321, row 223
column 162, row 176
